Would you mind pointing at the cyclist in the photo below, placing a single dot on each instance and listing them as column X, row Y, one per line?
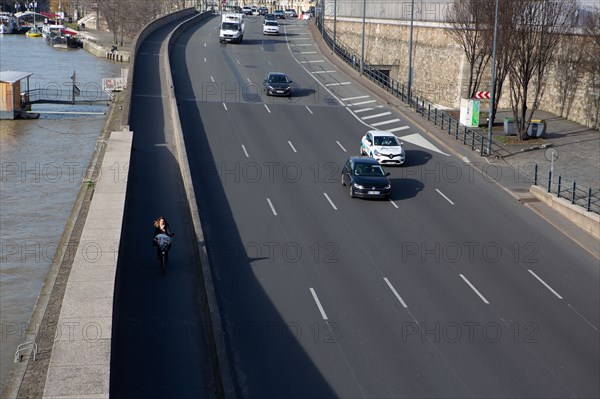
column 161, row 226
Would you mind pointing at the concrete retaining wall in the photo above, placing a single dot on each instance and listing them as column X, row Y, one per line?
column 588, row 221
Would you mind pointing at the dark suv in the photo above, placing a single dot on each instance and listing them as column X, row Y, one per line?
column 263, row 11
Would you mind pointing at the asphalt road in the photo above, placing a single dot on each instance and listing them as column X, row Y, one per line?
column 159, row 348
column 450, row 289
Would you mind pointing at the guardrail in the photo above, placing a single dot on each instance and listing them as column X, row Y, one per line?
column 587, row 198
column 421, row 105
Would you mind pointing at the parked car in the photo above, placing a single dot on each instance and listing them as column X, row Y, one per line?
column 383, row 146
column 290, row 13
column 263, row 11
column 270, row 28
column 280, row 14
column 365, row 178
column 277, row 84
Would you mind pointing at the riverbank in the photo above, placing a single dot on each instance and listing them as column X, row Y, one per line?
column 102, row 44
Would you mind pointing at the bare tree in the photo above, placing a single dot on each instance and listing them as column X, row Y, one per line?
column 591, row 28
column 569, row 58
column 470, row 24
column 538, row 27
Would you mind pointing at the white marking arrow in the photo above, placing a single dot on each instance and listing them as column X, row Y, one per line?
column 421, row 141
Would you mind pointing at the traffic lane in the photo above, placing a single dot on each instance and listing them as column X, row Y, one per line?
column 514, row 238
column 293, row 207
column 152, row 311
column 284, row 366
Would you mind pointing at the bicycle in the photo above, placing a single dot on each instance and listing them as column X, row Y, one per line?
column 163, row 242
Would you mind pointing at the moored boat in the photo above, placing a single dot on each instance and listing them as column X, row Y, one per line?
column 8, row 23
column 34, row 32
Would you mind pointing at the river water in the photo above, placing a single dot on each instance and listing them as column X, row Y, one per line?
column 42, row 163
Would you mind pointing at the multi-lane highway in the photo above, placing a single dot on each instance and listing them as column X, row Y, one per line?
column 449, row 289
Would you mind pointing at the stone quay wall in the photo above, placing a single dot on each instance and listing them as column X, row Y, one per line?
column 440, row 68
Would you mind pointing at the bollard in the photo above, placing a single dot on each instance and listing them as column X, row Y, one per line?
column 573, row 195
column 428, row 112
column 558, row 187
column 481, row 150
column 589, row 199
column 465, row 136
column 435, row 116
column 549, row 181
column 472, row 140
column 535, row 174
column 442, row 122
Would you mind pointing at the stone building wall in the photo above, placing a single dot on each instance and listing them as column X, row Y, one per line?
column 440, row 68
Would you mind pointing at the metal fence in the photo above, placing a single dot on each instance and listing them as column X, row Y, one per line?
column 586, row 197
column 439, row 116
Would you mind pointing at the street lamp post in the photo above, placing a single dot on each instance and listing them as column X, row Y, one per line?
column 362, row 49
column 493, row 85
column 334, row 22
column 410, row 42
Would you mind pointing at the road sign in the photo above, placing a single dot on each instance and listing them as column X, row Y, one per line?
column 482, row 94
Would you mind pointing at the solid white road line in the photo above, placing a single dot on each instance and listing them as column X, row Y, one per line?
column 204, row 44
column 308, row 109
column 249, row 81
column 311, row 62
column 393, row 203
column 362, row 102
column 291, row 145
column 398, row 128
column 324, row 72
column 245, row 152
column 394, row 291
column 225, row 106
column 475, row 289
column 442, row 194
column 316, row 298
column 330, row 201
column 353, row 98
column 356, row 111
column 376, row 115
column 267, row 108
column 338, row 84
column 385, row 122
column 302, row 45
column 212, row 79
column 341, row 146
column 307, row 52
column 546, row 285
column 272, row 207
column 204, row 59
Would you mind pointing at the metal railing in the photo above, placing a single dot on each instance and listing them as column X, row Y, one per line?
column 421, row 105
column 24, row 346
column 586, row 197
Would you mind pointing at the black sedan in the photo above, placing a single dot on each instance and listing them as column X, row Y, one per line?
column 366, row 178
column 277, row 84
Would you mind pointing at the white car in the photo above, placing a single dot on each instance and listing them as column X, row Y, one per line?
column 383, row 146
column 270, row 28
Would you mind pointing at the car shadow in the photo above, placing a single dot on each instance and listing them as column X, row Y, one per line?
column 405, row 188
column 416, row 158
